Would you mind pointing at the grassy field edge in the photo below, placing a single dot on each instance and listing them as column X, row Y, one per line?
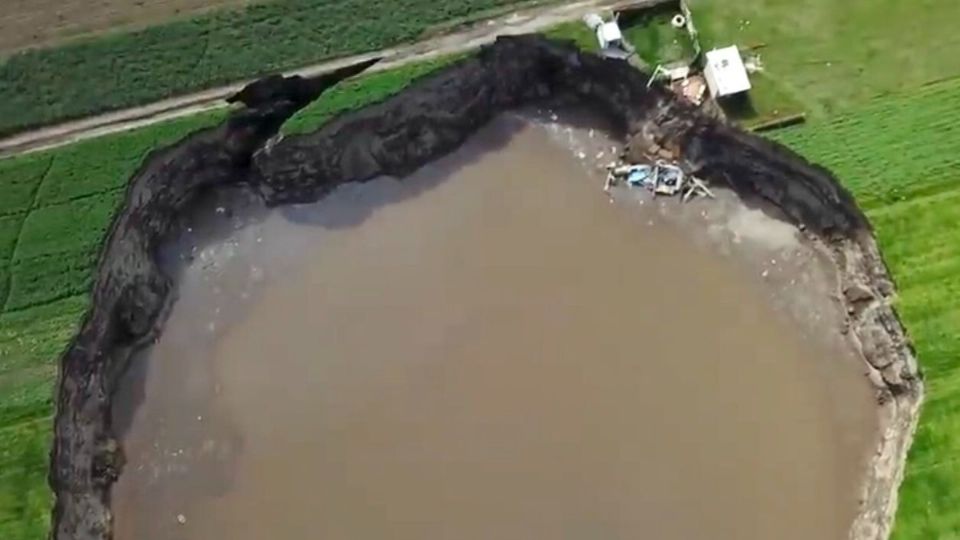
column 43, row 86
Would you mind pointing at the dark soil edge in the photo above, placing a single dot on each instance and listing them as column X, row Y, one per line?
column 427, row 120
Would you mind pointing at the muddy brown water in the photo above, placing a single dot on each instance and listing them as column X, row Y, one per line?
column 488, row 350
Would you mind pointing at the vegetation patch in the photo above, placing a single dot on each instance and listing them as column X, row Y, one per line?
column 30, row 343
column 25, row 23
column 36, row 336
column 55, row 209
column 48, row 277
column 656, row 40
column 891, row 149
column 66, row 228
column 767, row 102
column 19, row 179
column 9, row 231
column 71, row 195
column 4, row 281
column 376, row 87
column 360, row 92
column 577, row 32
column 899, row 156
column 122, row 70
column 25, row 499
column 103, row 164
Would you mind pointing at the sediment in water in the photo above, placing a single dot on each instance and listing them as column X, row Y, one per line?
column 429, row 119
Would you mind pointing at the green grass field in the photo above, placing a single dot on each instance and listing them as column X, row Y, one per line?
column 824, row 56
column 360, row 92
column 55, row 210
column 30, row 343
column 900, row 156
column 122, row 70
column 657, row 41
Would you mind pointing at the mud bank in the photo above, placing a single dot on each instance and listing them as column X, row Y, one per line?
column 131, row 295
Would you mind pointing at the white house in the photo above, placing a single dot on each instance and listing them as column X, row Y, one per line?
column 725, row 73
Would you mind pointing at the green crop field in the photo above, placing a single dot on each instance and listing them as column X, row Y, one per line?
column 121, row 70
column 55, row 208
column 360, row 92
column 657, row 41
column 900, row 156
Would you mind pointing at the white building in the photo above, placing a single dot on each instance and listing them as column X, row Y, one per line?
column 725, row 73
column 609, row 36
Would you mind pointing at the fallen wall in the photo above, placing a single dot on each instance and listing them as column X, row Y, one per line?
column 428, row 120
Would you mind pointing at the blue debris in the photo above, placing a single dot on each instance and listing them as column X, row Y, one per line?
column 641, row 175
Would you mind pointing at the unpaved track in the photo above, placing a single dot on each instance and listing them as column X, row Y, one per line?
column 520, row 22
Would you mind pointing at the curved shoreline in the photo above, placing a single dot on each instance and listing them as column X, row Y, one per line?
column 427, row 120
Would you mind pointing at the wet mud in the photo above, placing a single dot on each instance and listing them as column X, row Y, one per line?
column 133, row 294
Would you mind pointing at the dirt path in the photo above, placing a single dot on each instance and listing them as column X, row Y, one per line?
column 525, row 21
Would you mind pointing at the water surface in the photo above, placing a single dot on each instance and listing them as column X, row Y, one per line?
column 488, row 350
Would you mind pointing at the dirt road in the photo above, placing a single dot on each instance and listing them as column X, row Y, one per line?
column 520, row 22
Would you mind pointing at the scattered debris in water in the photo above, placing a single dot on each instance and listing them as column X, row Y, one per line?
column 697, row 187
column 661, row 178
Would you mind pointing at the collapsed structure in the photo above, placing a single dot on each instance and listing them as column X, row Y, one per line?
column 434, row 116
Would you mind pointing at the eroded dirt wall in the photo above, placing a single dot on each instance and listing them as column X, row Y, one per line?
column 427, row 120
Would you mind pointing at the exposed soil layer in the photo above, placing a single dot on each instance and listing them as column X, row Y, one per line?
column 429, row 119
